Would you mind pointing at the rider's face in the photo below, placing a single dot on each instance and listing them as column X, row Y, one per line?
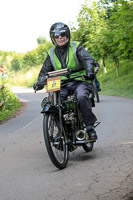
column 61, row 40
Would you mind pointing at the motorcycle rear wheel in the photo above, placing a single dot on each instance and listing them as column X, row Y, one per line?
column 56, row 146
column 96, row 92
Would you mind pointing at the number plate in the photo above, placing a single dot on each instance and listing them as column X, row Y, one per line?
column 53, row 84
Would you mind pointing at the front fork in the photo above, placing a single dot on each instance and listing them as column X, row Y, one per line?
column 57, row 102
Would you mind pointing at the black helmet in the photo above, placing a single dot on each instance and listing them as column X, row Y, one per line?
column 58, row 29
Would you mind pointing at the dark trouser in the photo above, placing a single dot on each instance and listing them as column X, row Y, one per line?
column 82, row 91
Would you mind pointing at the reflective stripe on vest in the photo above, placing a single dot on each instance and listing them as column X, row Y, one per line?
column 75, row 48
column 52, row 57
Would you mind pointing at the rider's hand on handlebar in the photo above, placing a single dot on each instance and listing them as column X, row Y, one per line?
column 38, row 86
column 90, row 76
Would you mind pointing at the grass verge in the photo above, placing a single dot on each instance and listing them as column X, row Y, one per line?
column 114, row 85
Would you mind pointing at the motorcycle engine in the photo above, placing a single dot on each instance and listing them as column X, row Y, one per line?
column 69, row 111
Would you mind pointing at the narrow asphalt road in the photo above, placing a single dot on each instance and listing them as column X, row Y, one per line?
column 106, row 173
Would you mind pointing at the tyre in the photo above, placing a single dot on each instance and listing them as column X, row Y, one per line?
column 88, row 147
column 56, row 146
column 96, row 92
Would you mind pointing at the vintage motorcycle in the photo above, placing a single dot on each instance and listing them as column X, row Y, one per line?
column 63, row 126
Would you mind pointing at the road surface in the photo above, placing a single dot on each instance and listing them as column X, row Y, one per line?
column 106, row 173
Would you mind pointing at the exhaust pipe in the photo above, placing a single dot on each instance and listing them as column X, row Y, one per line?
column 81, row 135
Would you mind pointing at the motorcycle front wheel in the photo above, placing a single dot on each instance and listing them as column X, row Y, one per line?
column 56, row 144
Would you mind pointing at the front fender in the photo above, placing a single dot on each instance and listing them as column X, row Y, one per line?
column 50, row 109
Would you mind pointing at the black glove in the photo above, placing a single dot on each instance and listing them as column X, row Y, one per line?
column 90, row 76
column 38, row 86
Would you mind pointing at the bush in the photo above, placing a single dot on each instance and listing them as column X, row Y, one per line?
column 9, row 103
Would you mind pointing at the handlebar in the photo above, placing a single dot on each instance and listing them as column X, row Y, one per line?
column 73, row 77
column 62, row 72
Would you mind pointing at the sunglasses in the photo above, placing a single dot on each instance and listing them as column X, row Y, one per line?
column 62, row 35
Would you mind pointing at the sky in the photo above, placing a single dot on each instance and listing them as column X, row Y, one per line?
column 23, row 21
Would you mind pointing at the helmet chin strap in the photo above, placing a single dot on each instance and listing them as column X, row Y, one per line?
column 67, row 41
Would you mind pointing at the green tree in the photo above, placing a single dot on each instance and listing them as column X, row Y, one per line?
column 119, row 14
column 30, row 58
column 17, row 63
column 93, row 31
column 42, row 51
column 106, row 29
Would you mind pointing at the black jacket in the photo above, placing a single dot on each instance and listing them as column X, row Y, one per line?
column 85, row 59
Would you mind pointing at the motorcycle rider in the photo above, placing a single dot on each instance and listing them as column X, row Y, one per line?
column 71, row 55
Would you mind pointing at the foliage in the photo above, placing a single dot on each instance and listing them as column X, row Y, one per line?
column 17, row 62
column 42, row 51
column 30, row 58
column 117, row 86
column 106, row 29
column 41, row 40
column 25, row 78
column 10, row 103
column 122, row 29
column 24, row 61
column 6, row 57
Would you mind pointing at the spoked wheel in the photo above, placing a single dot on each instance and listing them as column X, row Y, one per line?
column 56, row 145
column 88, row 147
column 96, row 92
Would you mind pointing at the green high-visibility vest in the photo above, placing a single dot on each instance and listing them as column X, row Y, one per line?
column 72, row 59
